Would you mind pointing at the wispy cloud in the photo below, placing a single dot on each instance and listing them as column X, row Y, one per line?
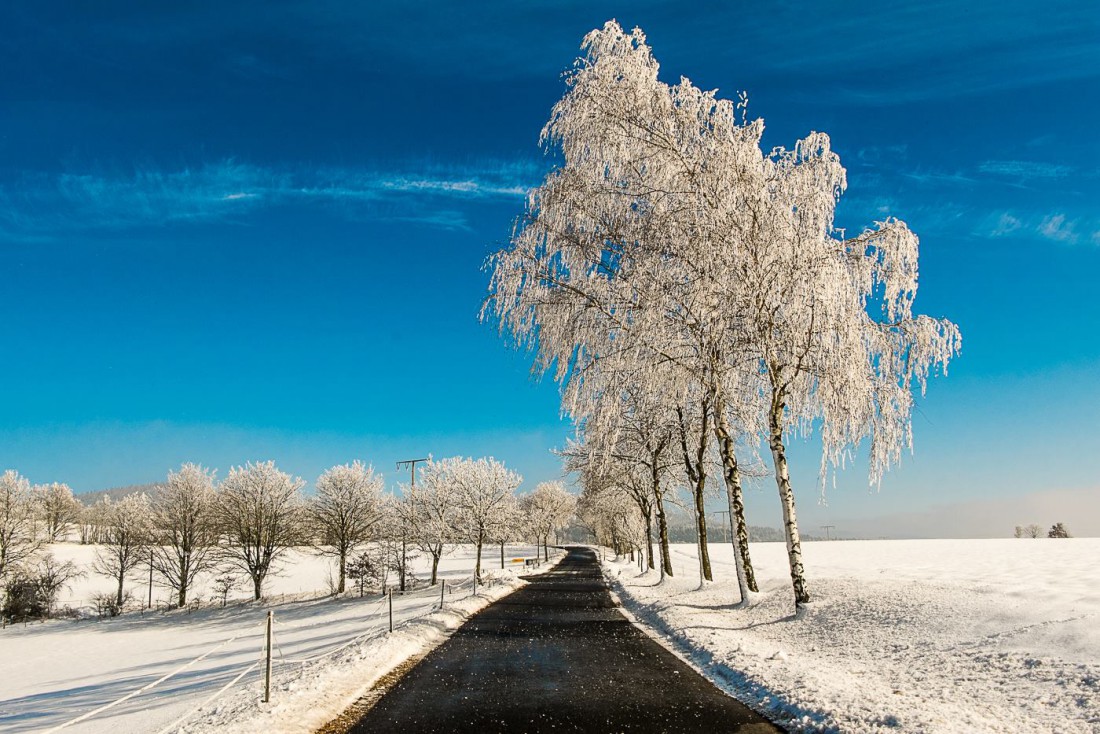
column 1006, row 225
column 1056, row 227
column 1025, row 170
column 37, row 206
column 939, row 177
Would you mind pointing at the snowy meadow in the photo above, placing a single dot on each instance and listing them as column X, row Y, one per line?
column 902, row 635
column 327, row 650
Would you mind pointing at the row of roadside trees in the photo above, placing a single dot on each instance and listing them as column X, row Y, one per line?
column 193, row 524
column 690, row 292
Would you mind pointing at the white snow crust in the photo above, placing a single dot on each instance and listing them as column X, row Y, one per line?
column 901, row 635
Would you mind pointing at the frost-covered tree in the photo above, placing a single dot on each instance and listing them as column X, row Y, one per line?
column 346, row 512
column 433, row 508
column 185, row 531
column 511, row 527
column 609, row 512
column 259, row 510
column 19, row 539
column 669, row 237
column 397, row 545
column 548, row 509
column 616, row 475
column 128, row 533
column 483, row 487
column 619, row 266
column 637, row 452
column 58, row 509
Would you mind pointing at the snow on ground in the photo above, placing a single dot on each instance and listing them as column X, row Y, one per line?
column 327, row 652
column 902, row 635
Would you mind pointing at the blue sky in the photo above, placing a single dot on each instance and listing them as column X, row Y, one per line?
column 233, row 233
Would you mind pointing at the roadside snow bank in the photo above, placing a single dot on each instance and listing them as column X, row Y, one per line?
column 308, row 695
column 921, row 636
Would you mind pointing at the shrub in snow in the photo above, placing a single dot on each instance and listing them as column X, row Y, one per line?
column 367, row 570
column 1058, row 530
column 224, row 584
column 109, row 605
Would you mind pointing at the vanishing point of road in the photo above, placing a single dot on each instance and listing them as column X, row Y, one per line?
column 556, row 655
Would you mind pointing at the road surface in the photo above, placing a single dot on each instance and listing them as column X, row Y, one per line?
column 556, row 655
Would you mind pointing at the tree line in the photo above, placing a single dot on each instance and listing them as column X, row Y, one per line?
column 694, row 299
column 1057, row 530
column 193, row 524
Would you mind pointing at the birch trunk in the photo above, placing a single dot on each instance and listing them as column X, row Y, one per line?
column 662, row 531
column 701, row 526
column 786, row 498
column 697, row 475
column 649, row 538
column 731, row 473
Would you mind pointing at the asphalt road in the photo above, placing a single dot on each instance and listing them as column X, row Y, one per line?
column 556, row 656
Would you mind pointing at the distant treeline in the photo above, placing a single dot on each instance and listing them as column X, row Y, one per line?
column 115, row 493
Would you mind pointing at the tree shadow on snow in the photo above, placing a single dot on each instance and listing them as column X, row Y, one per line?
column 750, row 691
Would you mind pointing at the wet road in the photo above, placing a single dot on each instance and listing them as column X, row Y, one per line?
column 557, row 656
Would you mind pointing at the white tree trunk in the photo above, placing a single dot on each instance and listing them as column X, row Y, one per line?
column 786, row 498
column 731, row 474
column 738, row 560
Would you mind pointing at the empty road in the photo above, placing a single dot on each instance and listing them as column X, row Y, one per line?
column 556, row 655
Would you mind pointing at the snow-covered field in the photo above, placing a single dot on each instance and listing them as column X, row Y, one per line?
column 327, row 652
column 902, row 635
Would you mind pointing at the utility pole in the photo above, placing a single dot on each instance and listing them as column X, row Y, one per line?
column 827, row 528
column 725, row 526
column 267, row 662
column 411, row 463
